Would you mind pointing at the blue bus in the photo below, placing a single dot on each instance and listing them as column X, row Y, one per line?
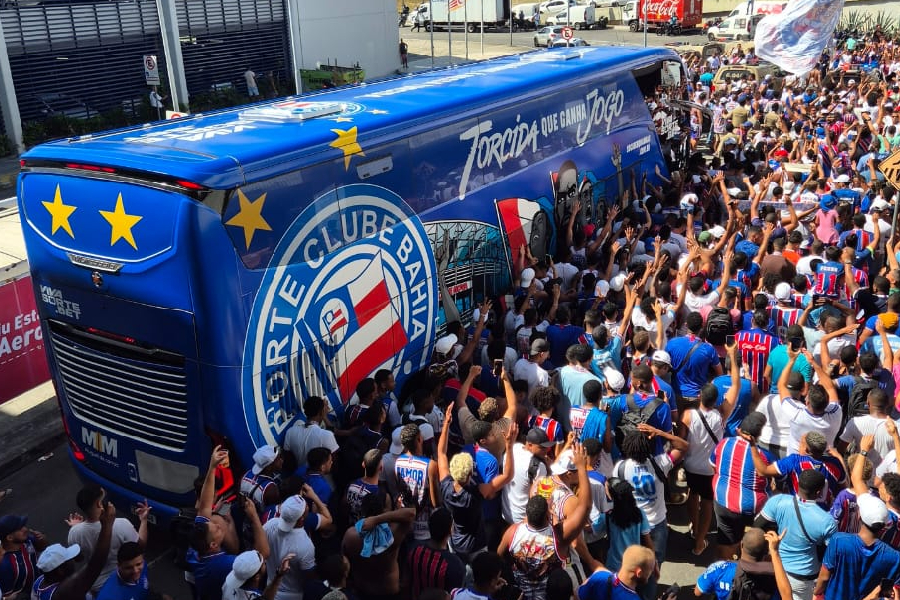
column 198, row 278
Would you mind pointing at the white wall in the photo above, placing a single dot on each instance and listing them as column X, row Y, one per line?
column 351, row 31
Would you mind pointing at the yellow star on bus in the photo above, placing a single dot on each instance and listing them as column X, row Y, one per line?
column 346, row 142
column 249, row 217
column 60, row 213
column 121, row 223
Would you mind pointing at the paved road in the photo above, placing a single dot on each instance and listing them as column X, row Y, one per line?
column 45, row 491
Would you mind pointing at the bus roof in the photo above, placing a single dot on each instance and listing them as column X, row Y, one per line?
column 228, row 148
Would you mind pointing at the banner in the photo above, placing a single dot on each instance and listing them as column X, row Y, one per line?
column 23, row 364
column 795, row 38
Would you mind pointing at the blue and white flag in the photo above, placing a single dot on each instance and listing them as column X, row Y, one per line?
column 795, row 38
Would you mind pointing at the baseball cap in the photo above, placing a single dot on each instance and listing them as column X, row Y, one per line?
column 55, row 555
column 614, row 379
column 661, row 356
column 292, row 510
column 851, row 81
column 783, row 291
column 795, row 381
column 564, row 464
column 820, row 131
column 705, row 237
column 246, row 565
column 11, row 523
column 842, row 178
column 538, row 437
column 396, row 446
column 602, row 288
column 879, row 205
column 527, row 277
column 827, row 202
column 872, row 510
column 264, row 457
column 445, row 344
column 538, row 346
column 717, row 231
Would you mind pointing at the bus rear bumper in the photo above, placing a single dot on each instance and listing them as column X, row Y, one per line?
column 125, row 500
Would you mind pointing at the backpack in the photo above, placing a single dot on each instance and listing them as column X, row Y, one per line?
column 181, row 528
column 634, row 416
column 752, row 581
column 719, row 325
column 857, row 403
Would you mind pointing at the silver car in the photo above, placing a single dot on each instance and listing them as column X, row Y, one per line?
column 547, row 35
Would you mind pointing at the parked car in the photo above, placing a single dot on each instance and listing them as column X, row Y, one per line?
column 569, row 43
column 741, row 28
column 728, row 73
column 547, row 35
column 55, row 105
column 554, row 6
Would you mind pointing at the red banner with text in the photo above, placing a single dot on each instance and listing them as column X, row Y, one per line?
column 23, row 364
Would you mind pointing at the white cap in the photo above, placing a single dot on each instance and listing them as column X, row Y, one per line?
column 602, row 288
column 872, row 510
column 717, row 231
column 662, row 356
column 445, row 344
column 396, row 447
column 292, row 510
column 879, row 205
column 264, row 457
column 246, row 565
column 842, row 178
column 527, row 277
column 614, row 379
column 617, row 283
column 783, row 291
column 55, row 555
column 734, row 191
column 564, row 464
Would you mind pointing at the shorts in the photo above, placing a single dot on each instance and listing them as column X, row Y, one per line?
column 700, row 484
column 731, row 525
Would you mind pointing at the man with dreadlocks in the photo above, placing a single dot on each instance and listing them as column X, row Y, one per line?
column 648, row 475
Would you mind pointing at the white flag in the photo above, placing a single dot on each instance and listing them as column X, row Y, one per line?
column 795, row 38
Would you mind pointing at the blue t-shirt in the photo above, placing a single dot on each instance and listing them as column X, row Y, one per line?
column 717, row 579
column 661, row 417
column 778, row 359
column 856, row 567
column 116, row 589
column 560, row 337
column 486, row 468
column 619, row 538
column 603, row 585
column 798, row 554
column 695, row 372
column 741, row 406
column 595, row 425
column 210, row 573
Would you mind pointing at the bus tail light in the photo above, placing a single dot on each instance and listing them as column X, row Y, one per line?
column 76, row 451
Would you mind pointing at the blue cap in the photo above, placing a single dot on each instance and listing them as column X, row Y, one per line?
column 742, row 98
column 820, row 131
column 827, row 202
column 11, row 523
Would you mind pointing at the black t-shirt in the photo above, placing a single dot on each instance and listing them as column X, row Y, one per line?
column 468, row 523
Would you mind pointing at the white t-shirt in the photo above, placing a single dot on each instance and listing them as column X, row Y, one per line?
column 888, row 464
column 862, row 425
column 280, row 545
column 531, row 372
column 649, row 492
column 566, row 272
column 515, row 494
column 777, row 430
column 86, row 534
column 639, row 319
column 695, row 302
column 802, row 421
column 701, row 444
column 304, row 436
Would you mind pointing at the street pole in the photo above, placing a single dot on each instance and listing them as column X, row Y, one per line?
column 431, row 30
column 482, row 28
column 645, row 21
column 449, row 36
column 466, row 27
column 510, row 24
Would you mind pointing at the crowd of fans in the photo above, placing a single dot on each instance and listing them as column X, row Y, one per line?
column 729, row 342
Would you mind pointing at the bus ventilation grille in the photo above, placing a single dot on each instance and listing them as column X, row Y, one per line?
column 140, row 399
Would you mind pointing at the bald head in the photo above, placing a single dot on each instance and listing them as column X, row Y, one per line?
column 638, row 564
column 754, row 544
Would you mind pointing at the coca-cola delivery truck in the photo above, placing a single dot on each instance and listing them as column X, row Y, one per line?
column 658, row 13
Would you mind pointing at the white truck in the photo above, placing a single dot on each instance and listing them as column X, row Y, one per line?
column 468, row 14
column 758, row 7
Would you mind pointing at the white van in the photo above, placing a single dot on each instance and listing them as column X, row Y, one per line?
column 579, row 17
column 739, row 28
